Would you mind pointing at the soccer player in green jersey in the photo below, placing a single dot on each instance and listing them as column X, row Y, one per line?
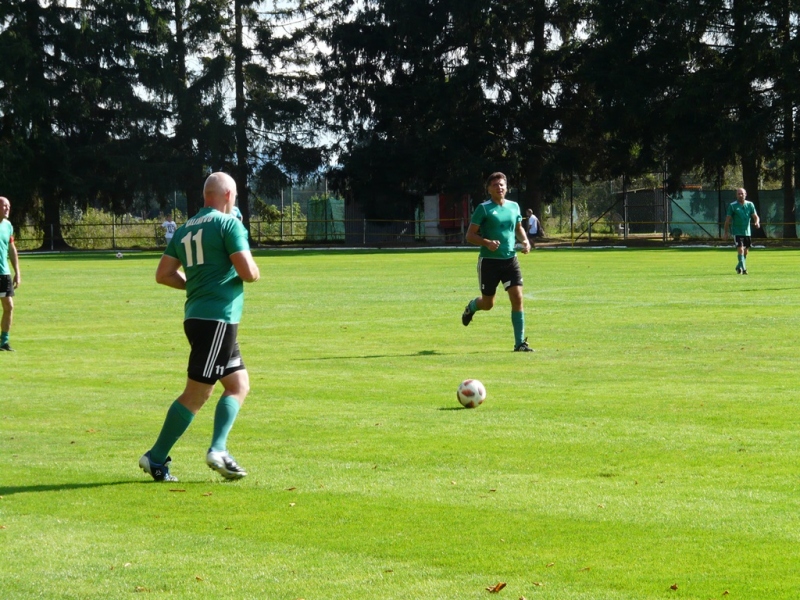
column 212, row 250
column 7, row 283
column 739, row 216
column 495, row 226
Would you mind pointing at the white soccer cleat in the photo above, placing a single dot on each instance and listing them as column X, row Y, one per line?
column 223, row 463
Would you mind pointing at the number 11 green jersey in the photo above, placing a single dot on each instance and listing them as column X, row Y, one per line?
column 204, row 245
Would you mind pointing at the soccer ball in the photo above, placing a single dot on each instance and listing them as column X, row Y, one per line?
column 471, row 393
column 119, row 254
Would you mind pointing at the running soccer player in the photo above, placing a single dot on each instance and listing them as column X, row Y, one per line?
column 739, row 216
column 495, row 226
column 213, row 252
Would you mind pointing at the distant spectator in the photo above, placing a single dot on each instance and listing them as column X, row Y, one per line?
column 534, row 228
column 169, row 228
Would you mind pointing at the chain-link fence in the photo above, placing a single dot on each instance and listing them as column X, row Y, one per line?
column 313, row 218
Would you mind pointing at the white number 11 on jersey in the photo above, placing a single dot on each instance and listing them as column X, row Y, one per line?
column 198, row 244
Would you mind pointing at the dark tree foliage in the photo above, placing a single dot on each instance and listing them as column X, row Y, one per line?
column 278, row 113
column 73, row 125
column 110, row 102
column 183, row 70
column 408, row 82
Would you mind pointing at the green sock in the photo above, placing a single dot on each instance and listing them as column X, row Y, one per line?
column 743, row 263
column 518, row 320
column 224, row 416
column 3, row 337
column 177, row 422
column 473, row 305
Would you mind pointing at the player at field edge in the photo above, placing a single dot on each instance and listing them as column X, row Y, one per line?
column 210, row 258
column 8, row 250
column 495, row 226
column 739, row 215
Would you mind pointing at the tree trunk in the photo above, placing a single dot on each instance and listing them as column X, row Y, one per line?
column 533, row 189
column 750, row 170
column 53, row 236
column 240, row 118
column 789, row 210
column 535, row 160
column 190, row 173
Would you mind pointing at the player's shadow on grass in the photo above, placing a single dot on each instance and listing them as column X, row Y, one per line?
column 59, row 487
column 420, row 353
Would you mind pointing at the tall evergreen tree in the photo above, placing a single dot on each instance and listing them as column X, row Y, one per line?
column 72, row 121
column 275, row 114
column 184, row 71
column 408, row 81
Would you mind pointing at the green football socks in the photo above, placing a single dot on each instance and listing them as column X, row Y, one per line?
column 3, row 337
column 224, row 416
column 518, row 320
column 177, row 422
column 473, row 305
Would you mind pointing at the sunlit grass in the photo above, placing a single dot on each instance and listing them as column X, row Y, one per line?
column 652, row 440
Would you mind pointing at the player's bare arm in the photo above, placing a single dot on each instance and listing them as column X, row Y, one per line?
column 168, row 273
column 14, row 256
column 246, row 267
column 522, row 238
column 475, row 238
column 727, row 227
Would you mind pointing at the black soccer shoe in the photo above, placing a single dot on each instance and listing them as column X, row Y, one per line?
column 6, row 348
column 466, row 316
column 523, row 347
column 744, row 271
column 739, row 270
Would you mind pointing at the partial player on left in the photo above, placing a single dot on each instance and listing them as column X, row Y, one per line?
column 8, row 283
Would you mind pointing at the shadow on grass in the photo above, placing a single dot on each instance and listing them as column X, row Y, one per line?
column 60, row 487
column 452, row 408
column 420, row 353
column 784, row 289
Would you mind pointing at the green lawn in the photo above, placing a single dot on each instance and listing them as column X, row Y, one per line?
column 652, row 441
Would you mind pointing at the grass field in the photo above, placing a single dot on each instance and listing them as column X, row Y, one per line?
column 650, row 448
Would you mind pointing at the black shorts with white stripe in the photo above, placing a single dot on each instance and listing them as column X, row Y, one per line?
column 215, row 350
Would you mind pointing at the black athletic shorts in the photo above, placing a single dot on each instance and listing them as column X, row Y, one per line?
column 6, row 286
column 493, row 271
column 215, row 351
column 741, row 241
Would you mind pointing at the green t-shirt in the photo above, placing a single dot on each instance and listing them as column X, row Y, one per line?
column 6, row 235
column 499, row 223
column 741, row 216
column 204, row 245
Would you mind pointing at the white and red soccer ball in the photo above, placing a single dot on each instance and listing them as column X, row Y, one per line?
column 471, row 393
